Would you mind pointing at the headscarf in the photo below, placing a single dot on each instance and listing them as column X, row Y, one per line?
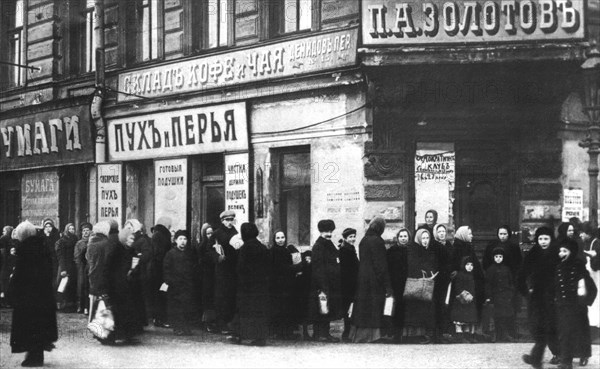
column 398, row 234
column 435, row 235
column 275, row 242
column 66, row 230
column 25, row 230
column 563, row 228
column 249, row 231
column 419, row 235
column 204, row 230
column 462, row 233
column 505, row 226
column 435, row 215
column 377, row 225
column 134, row 224
column 8, row 230
column 46, row 221
column 124, row 235
column 165, row 222
column 102, row 227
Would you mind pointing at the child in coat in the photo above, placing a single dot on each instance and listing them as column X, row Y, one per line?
column 572, row 296
column 464, row 310
column 180, row 271
column 499, row 290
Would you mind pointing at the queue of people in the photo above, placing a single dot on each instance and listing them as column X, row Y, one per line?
column 427, row 288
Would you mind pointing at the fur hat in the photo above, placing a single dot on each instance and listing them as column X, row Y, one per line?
column 498, row 251
column 124, row 235
column 543, row 231
column 182, row 232
column 25, row 230
column 570, row 245
column 377, row 225
column 326, row 225
column 102, row 227
column 465, row 260
column 347, row 232
column 249, row 231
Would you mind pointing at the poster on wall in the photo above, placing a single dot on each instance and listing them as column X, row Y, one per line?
column 110, row 192
column 572, row 204
column 170, row 196
column 39, row 197
column 237, row 182
column 434, row 181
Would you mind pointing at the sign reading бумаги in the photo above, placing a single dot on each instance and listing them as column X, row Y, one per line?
column 202, row 130
column 394, row 22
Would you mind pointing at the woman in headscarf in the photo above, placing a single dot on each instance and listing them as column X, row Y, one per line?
column 65, row 249
column 431, row 218
column 34, row 328
column 253, row 270
column 7, row 262
column 373, row 285
column 207, row 267
column 445, row 252
column 349, row 276
column 463, row 247
column 51, row 235
column 283, row 271
column 419, row 316
column 397, row 261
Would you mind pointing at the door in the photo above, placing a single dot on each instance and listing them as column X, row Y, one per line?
column 482, row 186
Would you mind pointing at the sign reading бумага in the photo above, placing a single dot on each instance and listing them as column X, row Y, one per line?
column 201, row 130
column 394, row 22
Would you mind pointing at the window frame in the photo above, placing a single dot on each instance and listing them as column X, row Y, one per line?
column 275, row 16
column 201, row 36
column 16, row 77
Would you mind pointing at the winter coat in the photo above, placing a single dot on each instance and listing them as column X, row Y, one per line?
column 207, row 267
column 8, row 264
column 79, row 252
column 397, row 262
column 99, row 255
column 571, row 310
column 349, row 274
column 536, row 282
column 462, row 249
column 125, row 294
column 512, row 256
column 153, row 264
column 373, row 282
column 301, row 289
column 253, row 270
column 50, row 243
column 65, row 248
column 225, row 274
column 326, row 277
column 420, row 313
column 464, row 312
column 283, row 272
column 181, row 275
column 444, row 254
column 500, row 289
column 594, row 245
column 34, row 315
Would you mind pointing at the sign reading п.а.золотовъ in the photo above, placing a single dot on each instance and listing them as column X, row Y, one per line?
column 283, row 59
column 394, row 22
column 202, row 130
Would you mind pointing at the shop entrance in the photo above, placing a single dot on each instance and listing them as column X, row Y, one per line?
column 482, row 198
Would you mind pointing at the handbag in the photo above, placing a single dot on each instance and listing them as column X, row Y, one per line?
column 419, row 289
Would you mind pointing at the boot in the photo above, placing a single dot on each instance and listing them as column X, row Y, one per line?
column 33, row 359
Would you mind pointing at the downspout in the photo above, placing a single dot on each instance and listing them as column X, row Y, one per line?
column 100, row 90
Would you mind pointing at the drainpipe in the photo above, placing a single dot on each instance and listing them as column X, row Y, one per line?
column 100, row 82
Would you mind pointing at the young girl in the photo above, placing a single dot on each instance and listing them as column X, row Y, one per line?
column 499, row 290
column 464, row 311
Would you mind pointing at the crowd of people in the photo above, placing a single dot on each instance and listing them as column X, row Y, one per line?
column 430, row 288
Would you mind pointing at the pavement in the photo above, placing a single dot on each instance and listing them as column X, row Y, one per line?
column 159, row 348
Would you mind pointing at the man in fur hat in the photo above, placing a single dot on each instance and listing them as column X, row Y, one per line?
column 325, row 283
column 349, row 275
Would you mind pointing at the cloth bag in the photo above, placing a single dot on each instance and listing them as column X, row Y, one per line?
column 420, row 289
column 103, row 323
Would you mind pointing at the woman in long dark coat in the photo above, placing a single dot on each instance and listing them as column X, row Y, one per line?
column 397, row 260
column 65, row 249
column 445, row 252
column 283, row 272
column 7, row 262
column 207, row 269
column 34, row 327
column 253, row 269
column 536, row 283
column 51, row 234
column 83, row 284
column 419, row 316
column 373, row 285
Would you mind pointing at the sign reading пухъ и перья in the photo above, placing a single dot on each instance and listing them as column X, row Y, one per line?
column 283, row 59
column 396, row 22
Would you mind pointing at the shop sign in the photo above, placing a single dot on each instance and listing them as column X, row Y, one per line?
column 434, row 180
column 394, row 22
column 110, row 192
column 237, row 186
column 39, row 197
column 572, row 204
column 170, row 191
column 46, row 139
column 178, row 133
column 284, row 59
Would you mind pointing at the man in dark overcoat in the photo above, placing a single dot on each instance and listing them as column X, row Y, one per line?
column 225, row 258
column 325, row 281
column 83, row 284
column 536, row 283
column 152, row 272
column 349, row 275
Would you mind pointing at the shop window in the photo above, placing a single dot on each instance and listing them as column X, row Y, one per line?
column 83, row 36
column 216, row 26
column 13, row 43
column 290, row 16
column 294, row 199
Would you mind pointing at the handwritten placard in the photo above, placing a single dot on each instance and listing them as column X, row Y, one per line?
column 237, row 184
column 39, row 197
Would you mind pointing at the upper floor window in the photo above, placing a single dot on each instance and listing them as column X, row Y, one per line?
column 14, row 18
column 212, row 23
column 295, row 16
column 151, row 12
column 89, row 51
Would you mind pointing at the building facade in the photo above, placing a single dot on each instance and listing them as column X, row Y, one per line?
column 293, row 111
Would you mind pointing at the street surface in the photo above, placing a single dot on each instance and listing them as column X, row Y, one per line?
column 159, row 348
